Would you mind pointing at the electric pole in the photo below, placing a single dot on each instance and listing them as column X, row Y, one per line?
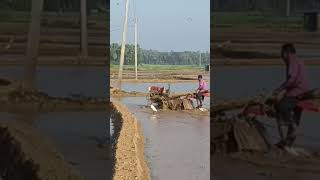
column 33, row 44
column 288, row 8
column 84, row 30
column 136, row 48
column 200, row 59
column 123, row 45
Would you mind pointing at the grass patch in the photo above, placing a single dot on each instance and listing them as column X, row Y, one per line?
column 156, row 67
column 14, row 16
column 255, row 19
column 52, row 19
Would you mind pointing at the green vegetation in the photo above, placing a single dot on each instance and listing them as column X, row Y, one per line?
column 97, row 6
column 54, row 19
column 156, row 57
column 255, row 19
column 149, row 67
column 60, row 13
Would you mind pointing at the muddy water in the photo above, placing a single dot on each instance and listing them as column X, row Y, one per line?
column 61, row 81
column 81, row 137
column 177, row 143
column 175, row 88
column 245, row 82
column 241, row 170
column 242, row 82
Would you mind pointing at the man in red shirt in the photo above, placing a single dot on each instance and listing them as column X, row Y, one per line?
column 288, row 115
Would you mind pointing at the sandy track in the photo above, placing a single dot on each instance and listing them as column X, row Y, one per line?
column 129, row 154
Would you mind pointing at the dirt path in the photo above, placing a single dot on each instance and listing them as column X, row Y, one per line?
column 129, row 153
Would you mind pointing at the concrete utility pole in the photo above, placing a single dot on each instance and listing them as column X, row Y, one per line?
column 136, row 48
column 33, row 44
column 123, row 45
column 288, row 8
column 84, row 30
column 200, row 59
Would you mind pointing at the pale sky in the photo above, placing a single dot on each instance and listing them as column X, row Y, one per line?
column 164, row 25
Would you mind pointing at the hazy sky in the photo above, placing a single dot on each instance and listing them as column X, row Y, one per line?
column 164, row 25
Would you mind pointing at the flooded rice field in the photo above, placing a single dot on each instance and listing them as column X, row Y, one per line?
column 177, row 143
column 174, row 87
column 246, row 82
column 177, row 87
column 81, row 137
column 243, row 170
column 62, row 81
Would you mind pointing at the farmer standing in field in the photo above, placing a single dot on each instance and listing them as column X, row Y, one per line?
column 203, row 88
column 287, row 114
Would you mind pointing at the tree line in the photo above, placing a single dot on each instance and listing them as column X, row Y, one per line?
column 56, row 5
column 157, row 57
column 275, row 6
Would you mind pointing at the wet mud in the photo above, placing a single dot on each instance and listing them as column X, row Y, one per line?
column 58, row 45
column 15, row 99
column 76, row 127
column 269, row 163
column 121, row 93
column 83, row 138
column 161, row 76
column 25, row 154
column 140, row 89
column 177, row 143
column 260, row 47
column 221, row 168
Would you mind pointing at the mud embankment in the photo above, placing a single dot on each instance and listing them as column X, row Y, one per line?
column 121, row 93
column 261, row 47
column 17, row 100
column 243, row 140
column 24, row 154
column 59, row 45
column 129, row 149
column 160, row 76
